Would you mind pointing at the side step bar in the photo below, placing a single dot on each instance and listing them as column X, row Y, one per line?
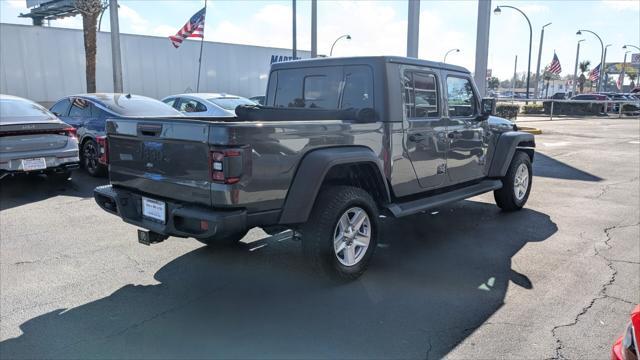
column 430, row 202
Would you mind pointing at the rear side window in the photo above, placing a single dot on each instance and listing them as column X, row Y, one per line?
column 420, row 95
column 188, row 105
column 80, row 108
column 61, row 107
column 462, row 100
column 332, row 87
column 170, row 102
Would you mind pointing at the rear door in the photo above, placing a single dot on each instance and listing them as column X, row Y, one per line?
column 425, row 127
column 467, row 136
column 161, row 158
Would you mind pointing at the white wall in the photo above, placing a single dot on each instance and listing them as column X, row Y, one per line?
column 45, row 64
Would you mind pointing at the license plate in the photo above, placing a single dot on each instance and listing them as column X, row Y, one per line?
column 154, row 209
column 34, row 164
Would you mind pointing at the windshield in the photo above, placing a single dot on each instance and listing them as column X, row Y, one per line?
column 231, row 103
column 140, row 106
column 21, row 108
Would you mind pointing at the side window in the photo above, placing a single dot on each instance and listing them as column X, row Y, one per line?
column 80, row 108
column 358, row 88
column 61, row 107
column 461, row 98
column 188, row 105
column 420, row 95
column 171, row 101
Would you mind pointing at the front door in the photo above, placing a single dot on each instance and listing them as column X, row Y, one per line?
column 466, row 133
column 425, row 127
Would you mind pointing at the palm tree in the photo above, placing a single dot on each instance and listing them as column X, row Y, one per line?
column 584, row 67
column 90, row 10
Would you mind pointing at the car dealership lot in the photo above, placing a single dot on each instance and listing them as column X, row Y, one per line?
column 557, row 279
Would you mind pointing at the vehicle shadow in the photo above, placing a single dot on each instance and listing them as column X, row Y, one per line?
column 20, row 190
column 434, row 279
column 545, row 166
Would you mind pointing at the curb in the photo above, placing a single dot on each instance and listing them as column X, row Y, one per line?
column 530, row 130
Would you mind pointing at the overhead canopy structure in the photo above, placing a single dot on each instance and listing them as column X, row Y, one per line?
column 50, row 10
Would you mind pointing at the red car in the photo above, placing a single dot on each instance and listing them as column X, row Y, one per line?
column 626, row 347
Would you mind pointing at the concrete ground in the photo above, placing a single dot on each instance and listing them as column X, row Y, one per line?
column 555, row 280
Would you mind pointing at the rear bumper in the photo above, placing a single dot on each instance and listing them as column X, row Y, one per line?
column 181, row 220
column 67, row 164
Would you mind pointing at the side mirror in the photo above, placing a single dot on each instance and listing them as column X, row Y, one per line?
column 487, row 107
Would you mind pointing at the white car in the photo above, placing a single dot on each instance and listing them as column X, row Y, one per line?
column 207, row 104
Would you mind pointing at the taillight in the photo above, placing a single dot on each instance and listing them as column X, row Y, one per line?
column 103, row 148
column 70, row 132
column 226, row 166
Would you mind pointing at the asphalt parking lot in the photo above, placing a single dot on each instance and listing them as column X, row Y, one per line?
column 556, row 280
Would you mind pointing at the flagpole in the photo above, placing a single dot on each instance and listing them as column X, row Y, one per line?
column 201, row 45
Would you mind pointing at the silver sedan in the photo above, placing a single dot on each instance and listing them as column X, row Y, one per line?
column 33, row 140
column 207, row 104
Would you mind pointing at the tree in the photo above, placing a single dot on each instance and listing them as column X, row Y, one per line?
column 584, row 67
column 90, row 10
column 493, row 83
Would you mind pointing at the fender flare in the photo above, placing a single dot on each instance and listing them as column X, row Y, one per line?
column 311, row 173
column 506, row 147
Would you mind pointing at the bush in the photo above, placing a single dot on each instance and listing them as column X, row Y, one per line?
column 532, row 109
column 571, row 108
column 507, row 111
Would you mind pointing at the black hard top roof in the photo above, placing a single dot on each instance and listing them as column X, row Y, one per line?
column 360, row 60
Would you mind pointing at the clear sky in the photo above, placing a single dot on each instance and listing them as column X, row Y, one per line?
column 380, row 27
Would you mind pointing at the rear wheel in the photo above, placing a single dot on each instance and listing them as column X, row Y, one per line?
column 90, row 156
column 341, row 233
column 516, row 184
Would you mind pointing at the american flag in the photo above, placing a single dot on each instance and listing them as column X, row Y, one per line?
column 555, row 67
column 595, row 73
column 193, row 28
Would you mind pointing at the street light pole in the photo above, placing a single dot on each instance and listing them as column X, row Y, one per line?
column 604, row 67
column 622, row 74
column 497, row 11
column 450, row 51
column 347, row 36
column 575, row 69
column 116, row 58
column 314, row 28
column 294, row 48
column 539, row 58
column 633, row 46
column 413, row 28
column 598, row 88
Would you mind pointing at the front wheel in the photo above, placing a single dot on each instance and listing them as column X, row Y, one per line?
column 341, row 233
column 516, row 184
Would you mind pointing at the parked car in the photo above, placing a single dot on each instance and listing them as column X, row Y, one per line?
column 346, row 140
column 627, row 347
column 597, row 97
column 258, row 99
column 207, row 104
column 34, row 140
column 88, row 114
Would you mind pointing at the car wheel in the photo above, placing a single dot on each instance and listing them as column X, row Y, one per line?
column 341, row 233
column 516, row 184
column 90, row 156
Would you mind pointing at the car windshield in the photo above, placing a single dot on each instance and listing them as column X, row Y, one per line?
column 21, row 108
column 138, row 106
column 231, row 103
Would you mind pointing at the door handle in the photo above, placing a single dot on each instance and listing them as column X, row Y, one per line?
column 416, row 137
column 454, row 135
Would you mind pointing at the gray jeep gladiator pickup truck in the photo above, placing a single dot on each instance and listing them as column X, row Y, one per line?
column 339, row 142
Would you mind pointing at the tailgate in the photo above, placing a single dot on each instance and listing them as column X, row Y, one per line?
column 163, row 158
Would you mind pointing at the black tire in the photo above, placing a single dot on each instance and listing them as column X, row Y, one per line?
column 505, row 197
column 319, row 231
column 60, row 176
column 90, row 154
column 228, row 241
